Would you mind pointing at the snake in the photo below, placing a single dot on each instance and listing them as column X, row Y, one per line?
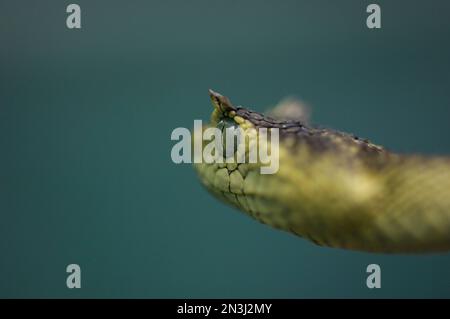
column 333, row 188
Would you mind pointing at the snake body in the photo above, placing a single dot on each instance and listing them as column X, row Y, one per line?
column 336, row 189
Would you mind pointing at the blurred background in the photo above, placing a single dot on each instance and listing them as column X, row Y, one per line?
column 86, row 116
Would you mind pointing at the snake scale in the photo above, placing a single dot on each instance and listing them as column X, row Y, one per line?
column 336, row 189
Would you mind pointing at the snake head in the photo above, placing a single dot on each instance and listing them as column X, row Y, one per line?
column 220, row 102
column 223, row 108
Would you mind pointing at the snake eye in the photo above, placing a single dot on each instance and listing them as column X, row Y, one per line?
column 229, row 128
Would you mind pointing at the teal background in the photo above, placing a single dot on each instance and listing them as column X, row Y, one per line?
column 85, row 123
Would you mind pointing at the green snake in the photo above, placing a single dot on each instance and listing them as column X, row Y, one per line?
column 336, row 189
